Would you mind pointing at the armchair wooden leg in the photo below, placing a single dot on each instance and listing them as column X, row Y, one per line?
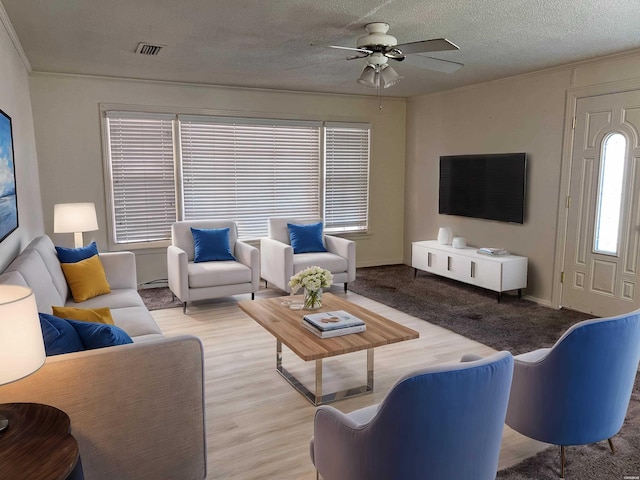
column 265, row 284
column 253, row 296
column 317, row 475
column 345, row 287
column 184, row 308
column 613, row 450
column 562, row 452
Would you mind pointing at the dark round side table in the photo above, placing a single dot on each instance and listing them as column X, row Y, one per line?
column 38, row 444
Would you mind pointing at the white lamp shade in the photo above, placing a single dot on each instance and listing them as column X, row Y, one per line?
column 21, row 345
column 74, row 217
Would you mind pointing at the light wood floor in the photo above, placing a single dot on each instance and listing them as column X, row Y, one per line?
column 258, row 426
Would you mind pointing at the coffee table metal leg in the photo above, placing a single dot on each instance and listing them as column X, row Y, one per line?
column 318, row 395
column 318, row 398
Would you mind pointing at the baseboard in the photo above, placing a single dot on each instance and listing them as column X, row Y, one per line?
column 380, row 263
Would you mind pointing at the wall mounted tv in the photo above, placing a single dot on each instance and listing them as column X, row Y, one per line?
column 490, row 186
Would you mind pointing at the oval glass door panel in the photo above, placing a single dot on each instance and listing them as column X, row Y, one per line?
column 610, row 186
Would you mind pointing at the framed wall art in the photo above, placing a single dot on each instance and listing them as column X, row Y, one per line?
column 8, row 199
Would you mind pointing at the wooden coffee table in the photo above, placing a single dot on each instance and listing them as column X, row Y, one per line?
column 285, row 324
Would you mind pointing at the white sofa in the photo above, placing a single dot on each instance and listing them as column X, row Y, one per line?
column 278, row 263
column 137, row 410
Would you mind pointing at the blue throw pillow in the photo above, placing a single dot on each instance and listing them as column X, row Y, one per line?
column 59, row 337
column 211, row 244
column 99, row 335
column 306, row 238
column 75, row 255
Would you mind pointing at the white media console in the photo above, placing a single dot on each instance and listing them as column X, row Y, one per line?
column 499, row 273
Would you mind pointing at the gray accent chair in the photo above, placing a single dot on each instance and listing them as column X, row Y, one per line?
column 278, row 263
column 191, row 281
column 438, row 423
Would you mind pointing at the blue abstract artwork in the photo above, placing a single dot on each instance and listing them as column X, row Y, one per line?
column 8, row 200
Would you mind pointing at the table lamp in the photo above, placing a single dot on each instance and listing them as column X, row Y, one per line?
column 75, row 218
column 21, row 345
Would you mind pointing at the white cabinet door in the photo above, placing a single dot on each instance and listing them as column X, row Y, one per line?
column 487, row 274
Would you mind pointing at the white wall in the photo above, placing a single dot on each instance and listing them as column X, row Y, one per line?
column 67, row 124
column 15, row 102
column 520, row 114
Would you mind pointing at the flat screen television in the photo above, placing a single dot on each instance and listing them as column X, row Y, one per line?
column 490, row 186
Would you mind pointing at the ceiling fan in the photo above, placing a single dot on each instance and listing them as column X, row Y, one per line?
column 377, row 48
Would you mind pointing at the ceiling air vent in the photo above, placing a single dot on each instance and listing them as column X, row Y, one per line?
column 148, row 49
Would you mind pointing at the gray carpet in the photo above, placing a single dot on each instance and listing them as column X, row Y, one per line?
column 514, row 324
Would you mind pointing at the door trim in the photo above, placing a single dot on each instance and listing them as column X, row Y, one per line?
column 571, row 103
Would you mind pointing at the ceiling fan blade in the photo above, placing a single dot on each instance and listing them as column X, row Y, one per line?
column 364, row 50
column 433, row 45
column 435, row 64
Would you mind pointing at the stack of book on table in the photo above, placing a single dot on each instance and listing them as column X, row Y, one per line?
column 333, row 324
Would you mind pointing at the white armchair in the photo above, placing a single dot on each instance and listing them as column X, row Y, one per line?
column 278, row 262
column 191, row 281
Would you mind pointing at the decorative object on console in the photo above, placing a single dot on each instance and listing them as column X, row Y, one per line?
column 445, row 235
column 8, row 200
column 21, row 344
column 313, row 279
column 459, row 242
column 75, row 218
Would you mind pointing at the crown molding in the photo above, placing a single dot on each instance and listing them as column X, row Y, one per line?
column 4, row 19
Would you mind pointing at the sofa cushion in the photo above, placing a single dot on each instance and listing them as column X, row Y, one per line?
column 136, row 321
column 306, row 238
column 279, row 231
column 73, row 255
column 13, row 278
column 94, row 315
column 117, row 298
column 329, row 261
column 99, row 335
column 215, row 274
column 86, row 278
column 59, row 336
column 182, row 237
column 45, row 248
column 35, row 273
column 211, row 245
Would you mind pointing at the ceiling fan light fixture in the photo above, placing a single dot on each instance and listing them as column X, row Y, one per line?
column 389, row 76
column 368, row 77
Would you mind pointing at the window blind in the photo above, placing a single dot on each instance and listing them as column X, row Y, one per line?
column 141, row 165
column 249, row 170
column 346, row 177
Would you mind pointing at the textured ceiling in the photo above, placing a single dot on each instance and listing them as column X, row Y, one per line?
column 282, row 44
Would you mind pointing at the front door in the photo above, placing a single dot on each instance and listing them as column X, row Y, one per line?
column 603, row 237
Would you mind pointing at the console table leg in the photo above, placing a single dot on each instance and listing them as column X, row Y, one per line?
column 519, row 293
column 499, row 296
column 415, row 273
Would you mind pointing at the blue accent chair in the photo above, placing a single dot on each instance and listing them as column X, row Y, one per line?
column 439, row 423
column 577, row 392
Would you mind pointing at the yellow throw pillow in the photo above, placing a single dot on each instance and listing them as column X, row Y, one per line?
column 95, row 315
column 86, row 278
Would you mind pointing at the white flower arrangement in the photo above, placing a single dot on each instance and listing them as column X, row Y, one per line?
column 312, row 278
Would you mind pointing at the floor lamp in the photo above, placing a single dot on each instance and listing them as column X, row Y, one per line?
column 21, row 345
column 75, row 218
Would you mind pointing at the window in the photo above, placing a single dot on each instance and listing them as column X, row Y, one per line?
column 248, row 171
column 172, row 167
column 609, row 207
column 142, row 176
column 346, row 177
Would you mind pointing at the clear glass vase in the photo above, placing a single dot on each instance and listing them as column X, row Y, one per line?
column 312, row 299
